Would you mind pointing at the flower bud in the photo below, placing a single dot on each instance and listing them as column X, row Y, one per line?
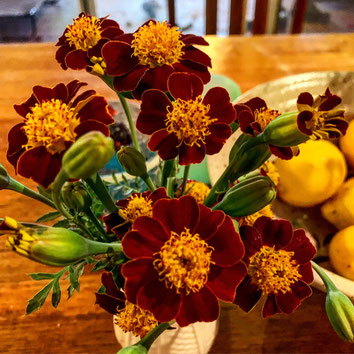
column 340, row 312
column 53, row 246
column 283, row 131
column 87, row 155
column 247, row 197
column 133, row 349
column 132, row 161
column 76, row 196
column 4, row 177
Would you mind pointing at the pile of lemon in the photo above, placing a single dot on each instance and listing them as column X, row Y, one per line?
column 319, row 176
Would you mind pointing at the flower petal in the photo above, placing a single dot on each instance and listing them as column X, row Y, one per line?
column 209, row 222
column 26, row 107
column 91, row 125
column 17, row 138
column 256, row 103
column 42, row 93
column 247, row 294
column 177, row 214
column 201, row 306
column 302, row 118
column 164, row 303
column 73, row 87
column 96, row 108
column 76, row 60
column 306, row 272
column 185, row 86
column 145, row 239
column 197, row 56
column 227, row 244
column 301, row 290
column 276, row 233
column 224, row 281
column 214, row 142
column 194, row 68
column 109, row 303
column 137, row 273
column 164, row 143
column 270, row 307
column 302, row 247
column 285, row 153
column 191, row 154
column 153, row 111
column 157, row 194
column 189, row 39
column 111, row 287
column 61, row 54
column 305, row 98
column 252, row 241
column 129, row 81
column 40, row 165
column 287, row 302
column 220, row 105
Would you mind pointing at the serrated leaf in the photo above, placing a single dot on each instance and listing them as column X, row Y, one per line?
column 38, row 300
column 62, row 223
column 99, row 265
column 56, row 294
column 42, row 276
column 49, row 216
column 74, row 273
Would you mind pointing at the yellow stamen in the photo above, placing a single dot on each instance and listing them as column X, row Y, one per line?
column 157, row 44
column 264, row 116
column 184, row 262
column 133, row 319
column 50, row 124
column 197, row 190
column 137, row 206
column 84, row 33
column 189, row 121
column 273, row 271
column 251, row 219
column 269, row 169
column 20, row 241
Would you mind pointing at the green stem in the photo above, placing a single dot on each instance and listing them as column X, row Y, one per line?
column 95, row 247
column 325, row 278
column 97, row 224
column 153, row 335
column 20, row 188
column 126, row 109
column 185, row 178
column 96, row 183
column 169, row 187
column 150, row 184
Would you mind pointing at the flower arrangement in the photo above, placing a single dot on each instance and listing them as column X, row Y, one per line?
column 174, row 247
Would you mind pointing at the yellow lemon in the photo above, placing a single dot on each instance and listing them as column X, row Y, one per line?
column 313, row 176
column 341, row 252
column 346, row 144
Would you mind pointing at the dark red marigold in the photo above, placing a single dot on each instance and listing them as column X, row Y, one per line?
column 81, row 43
column 319, row 117
column 138, row 204
column 253, row 116
column 52, row 121
column 279, row 266
column 184, row 258
column 146, row 58
column 190, row 126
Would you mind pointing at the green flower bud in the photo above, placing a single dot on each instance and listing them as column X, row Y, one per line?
column 283, row 131
column 87, row 155
column 133, row 349
column 132, row 161
column 4, row 178
column 76, row 196
column 247, row 197
column 340, row 312
column 53, row 246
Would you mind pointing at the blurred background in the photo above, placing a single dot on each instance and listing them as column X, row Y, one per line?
column 45, row 20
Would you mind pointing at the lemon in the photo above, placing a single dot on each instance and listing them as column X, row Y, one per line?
column 346, row 144
column 341, row 252
column 313, row 176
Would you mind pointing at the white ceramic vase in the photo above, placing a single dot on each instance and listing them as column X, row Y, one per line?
column 196, row 338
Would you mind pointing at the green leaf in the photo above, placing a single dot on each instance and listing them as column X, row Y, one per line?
column 74, row 273
column 99, row 265
column 38, row 300
column 62, row 223
column 49, row 216
column 42, row 276
column 56, row 294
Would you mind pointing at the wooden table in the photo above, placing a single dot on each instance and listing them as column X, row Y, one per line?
column 80, row 326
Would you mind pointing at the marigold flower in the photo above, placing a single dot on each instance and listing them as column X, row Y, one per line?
column 184, row 258
column 81, row 43
column 190, row 126
column 253, row 116
column 268, row 169
column 52, row 121
column 145, row 59
column 318, row 117
column 278, row 260
column 251, row 219
column 198, row 190
column 138, row 204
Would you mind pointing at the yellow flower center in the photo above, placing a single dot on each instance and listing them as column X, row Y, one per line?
column 157, row 44
column 264, row 116
column 133, row 319
column 50, row 124
column 137, row 206
column 197, row 190
column 273, row 271
column 189, row 121
column 250, row 219
column 184, row 262
column 269, row 169
column 84, row 33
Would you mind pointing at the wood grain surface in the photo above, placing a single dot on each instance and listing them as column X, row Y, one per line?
column 78, row 326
